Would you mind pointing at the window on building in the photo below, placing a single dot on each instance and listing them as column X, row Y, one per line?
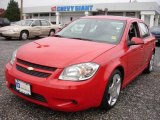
column 144, row 30
column 115, row 13
column 130, row 14
column 35, row 15
column 44, row 14
column 45, row 23
column 53, row 14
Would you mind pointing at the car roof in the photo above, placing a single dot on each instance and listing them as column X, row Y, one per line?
column 112, row 17
column 36, row 19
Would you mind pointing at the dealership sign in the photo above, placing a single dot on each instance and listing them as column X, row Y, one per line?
column 72, row 8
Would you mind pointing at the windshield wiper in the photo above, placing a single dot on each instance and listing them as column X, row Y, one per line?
column 85, row 39
column 58, row 36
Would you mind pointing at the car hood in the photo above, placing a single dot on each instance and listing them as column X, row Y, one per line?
column 61, row 52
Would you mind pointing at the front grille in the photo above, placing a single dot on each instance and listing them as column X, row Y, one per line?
column 32, row 72
column 36, row 65
column 34, row 96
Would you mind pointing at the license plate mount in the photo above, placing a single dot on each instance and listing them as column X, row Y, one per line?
column 23, row 87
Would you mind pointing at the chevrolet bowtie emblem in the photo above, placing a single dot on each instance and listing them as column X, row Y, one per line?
column 30, row 68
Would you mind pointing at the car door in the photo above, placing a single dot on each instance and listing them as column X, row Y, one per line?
column 46, row 27
column 149, row 41
column 135, row 53
column 35, row 29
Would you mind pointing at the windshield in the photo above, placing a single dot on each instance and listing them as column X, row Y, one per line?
column 24, row 22
column 98, row 30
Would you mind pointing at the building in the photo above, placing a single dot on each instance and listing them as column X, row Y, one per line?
column 61, row 14
column 2, row 11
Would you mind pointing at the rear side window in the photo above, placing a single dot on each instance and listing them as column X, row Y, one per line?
column 36, row 23
column 45, row 23
column 144, row 30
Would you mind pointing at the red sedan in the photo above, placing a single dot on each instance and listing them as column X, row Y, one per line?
column 84, row 65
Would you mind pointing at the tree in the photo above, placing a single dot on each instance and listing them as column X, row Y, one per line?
column 13, row 11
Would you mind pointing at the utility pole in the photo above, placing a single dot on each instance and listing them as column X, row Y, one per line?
column 21, row 11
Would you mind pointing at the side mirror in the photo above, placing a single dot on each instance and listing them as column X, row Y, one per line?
column 135, row 41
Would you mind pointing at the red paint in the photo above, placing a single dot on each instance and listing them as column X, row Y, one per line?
column 53, row 8
column 62, row 52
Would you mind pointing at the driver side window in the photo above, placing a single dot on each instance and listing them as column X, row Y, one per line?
column 133, row 31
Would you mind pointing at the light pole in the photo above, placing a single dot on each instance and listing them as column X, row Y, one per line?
column 21, row 11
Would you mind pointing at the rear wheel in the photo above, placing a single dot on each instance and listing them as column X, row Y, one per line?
column 112, row 90
column 24, row 35
column 51, row 33
column 150, row 67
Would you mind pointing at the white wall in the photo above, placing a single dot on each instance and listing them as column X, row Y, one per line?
column 65, row 17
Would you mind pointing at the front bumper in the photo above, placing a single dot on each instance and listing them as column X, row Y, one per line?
column 57, row 94
column 10, row 34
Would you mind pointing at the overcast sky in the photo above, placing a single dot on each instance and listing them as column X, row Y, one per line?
column 31, row 3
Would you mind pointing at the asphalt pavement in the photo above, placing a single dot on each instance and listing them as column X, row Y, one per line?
column 138, row 101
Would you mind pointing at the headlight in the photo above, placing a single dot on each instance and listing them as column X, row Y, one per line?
column 12, row 30
column 79, row 72
column 13, row 57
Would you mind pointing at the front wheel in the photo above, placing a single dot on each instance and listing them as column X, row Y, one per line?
column 51, row 33
column 112, row 90
column 24, row 35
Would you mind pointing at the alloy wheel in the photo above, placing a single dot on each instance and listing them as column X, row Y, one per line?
column 24, row 36
column 151, row 63
column 114, row 89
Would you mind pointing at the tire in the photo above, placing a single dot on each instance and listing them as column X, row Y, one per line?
column 150, row 66
column 24, row 35
column 112, row 90
column 51, row 33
